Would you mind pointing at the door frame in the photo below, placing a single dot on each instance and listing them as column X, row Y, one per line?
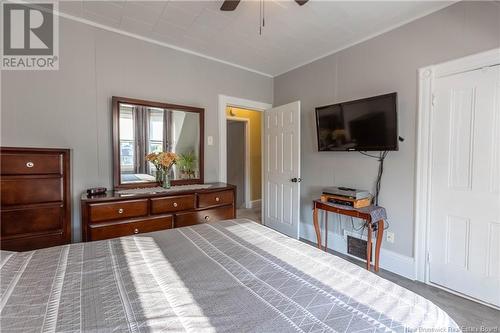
column 427, row 76
column 246, row 123
column 227, row 101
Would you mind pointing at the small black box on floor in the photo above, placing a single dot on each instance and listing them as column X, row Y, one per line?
column 356, row 247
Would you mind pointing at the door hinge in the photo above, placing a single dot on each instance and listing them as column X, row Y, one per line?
column 429, row 257
column 433, row 99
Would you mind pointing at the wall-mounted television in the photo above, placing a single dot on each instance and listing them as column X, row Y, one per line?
column 368, row 124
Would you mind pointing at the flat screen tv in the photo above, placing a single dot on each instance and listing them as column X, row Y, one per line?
column 368, row 124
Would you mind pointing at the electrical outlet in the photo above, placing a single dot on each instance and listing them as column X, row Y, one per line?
column 390, row 237
column 210, row 140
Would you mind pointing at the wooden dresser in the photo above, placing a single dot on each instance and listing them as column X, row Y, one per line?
column 115, row 215
column 35, row 198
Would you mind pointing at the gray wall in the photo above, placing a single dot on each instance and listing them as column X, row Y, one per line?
column 236, row 158
column 71, row 107
column 383, row 64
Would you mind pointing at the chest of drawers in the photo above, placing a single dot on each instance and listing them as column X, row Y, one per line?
column 35, row 198
column 114, row 215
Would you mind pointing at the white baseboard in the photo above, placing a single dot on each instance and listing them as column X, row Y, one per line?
column 256, row 203
column 389, row 260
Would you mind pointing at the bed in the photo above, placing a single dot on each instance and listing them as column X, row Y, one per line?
column 229, row 276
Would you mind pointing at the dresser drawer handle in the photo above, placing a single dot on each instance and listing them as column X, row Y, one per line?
column 120, row 211
column 175, row 204
column 217, row 199
column 30, row 164
column 136, row 231
column 207, row 218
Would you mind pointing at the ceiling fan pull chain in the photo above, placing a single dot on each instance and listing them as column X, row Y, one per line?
column 260, row 17
column 263, row 13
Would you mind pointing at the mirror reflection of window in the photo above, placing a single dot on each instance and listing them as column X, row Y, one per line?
column 127, row 146
column 156, row 134
column 155, row 130
column 147, row 129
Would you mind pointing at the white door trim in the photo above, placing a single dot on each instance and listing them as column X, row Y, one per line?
column 246, row 122
column 224, row 102
column 423, row 194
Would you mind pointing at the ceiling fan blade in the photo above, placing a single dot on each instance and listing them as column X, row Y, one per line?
column 229, row 5
column 301, row 2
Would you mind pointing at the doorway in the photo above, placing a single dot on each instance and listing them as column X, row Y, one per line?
column 244, row 159
column 224, row 103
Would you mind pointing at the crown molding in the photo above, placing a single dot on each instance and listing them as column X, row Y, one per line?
column 393, row 27
column 154, row 41
column 225, row 62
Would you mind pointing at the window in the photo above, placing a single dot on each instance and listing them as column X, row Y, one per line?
column 127, row 154
column 142, row 131
column 155, row 130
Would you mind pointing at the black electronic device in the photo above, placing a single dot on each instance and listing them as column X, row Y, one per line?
column 96, row 191
column 368, row 124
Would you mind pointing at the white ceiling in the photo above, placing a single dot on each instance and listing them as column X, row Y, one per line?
column 292, row 36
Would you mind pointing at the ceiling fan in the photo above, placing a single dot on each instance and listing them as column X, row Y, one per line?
column 230, row 5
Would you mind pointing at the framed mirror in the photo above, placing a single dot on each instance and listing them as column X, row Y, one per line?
column 143, row 127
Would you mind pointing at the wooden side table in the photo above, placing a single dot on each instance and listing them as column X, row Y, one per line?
column 373, row 215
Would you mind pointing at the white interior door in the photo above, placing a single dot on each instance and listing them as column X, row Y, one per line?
column 465, row 201
column 282, row 168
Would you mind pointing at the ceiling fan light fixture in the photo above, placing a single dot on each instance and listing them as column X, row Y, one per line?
column 229, row 5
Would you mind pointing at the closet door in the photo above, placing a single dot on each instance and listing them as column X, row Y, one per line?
column 465, row 185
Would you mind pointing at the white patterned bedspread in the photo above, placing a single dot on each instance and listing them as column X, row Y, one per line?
column 230, row 276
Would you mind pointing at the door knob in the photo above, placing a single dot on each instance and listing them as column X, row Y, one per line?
column 296, row 180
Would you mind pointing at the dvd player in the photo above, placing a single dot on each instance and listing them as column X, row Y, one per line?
column 347, row 192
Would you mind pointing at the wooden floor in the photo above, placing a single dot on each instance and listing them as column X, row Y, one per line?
column 466, row 313
column 251, row 213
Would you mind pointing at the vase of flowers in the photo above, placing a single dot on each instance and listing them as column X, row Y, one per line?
column 166, row 180
column 163, row 162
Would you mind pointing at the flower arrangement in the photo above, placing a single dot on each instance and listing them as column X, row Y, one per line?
column 163, row 162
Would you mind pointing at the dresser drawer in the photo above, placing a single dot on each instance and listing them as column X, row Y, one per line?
column 126, row 228
column 118, row 210
column 204, row 216
column 31, row 190
column 172, row 204
column 31, row 164
column 32, row 221
column 40, row 241
column 215, row 199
